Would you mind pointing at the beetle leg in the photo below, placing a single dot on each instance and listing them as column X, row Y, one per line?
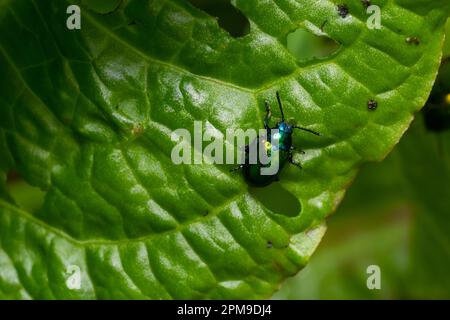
column 295, row 163
column 245, row 148
column 268, row 115
column 307, row 130
column 239, row 167
column 299, row 151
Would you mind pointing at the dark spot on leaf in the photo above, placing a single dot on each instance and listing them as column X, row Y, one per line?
column 343, row 10
column 269, row 244
column 277, row 199
column 413, row 40
column 372, row 105
column 229, row 17
column 306, row 46
column 205, row 213
column 137, row 130
column 366, row 3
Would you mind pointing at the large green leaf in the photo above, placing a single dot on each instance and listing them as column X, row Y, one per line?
column 86, row 116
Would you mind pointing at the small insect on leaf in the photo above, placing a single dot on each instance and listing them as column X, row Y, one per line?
column 372, row 105
column 413, row 40
column 343, row 10
column 279, row 153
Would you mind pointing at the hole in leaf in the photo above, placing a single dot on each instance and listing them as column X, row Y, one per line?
column 306, row 46
column 277, row 199
column 25, row 195
column 229, row 18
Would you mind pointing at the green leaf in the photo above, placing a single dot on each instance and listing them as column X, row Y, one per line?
column 86, row 116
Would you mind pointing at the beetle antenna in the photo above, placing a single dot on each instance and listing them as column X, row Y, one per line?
column 307, row 130
column 280, row 105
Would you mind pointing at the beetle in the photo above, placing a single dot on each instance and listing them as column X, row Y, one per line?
column 285, row 149
column 343, row 10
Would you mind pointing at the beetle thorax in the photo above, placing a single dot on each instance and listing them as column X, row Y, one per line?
column 284, row 136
